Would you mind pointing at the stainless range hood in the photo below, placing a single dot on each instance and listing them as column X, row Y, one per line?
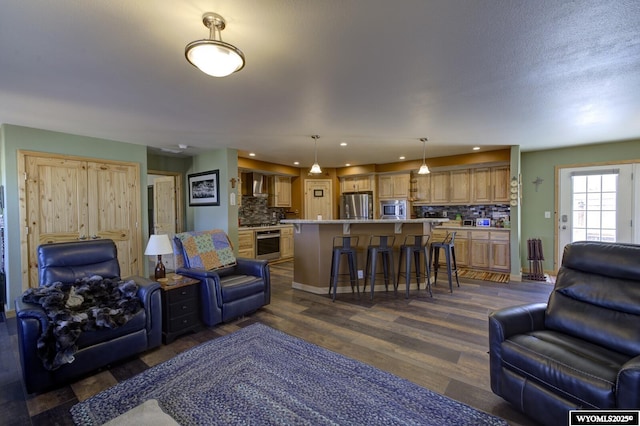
column 254, row 184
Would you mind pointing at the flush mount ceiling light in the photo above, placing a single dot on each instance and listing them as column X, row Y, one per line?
column 424, row 170
column 213, row 56
column 315, row 168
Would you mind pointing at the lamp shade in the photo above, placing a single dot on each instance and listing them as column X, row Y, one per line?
column 158, row 244
column 213, row 56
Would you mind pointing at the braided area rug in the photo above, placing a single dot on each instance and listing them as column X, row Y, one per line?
column 261, row 376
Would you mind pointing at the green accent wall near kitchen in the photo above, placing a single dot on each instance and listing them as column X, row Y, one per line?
column 542, row 164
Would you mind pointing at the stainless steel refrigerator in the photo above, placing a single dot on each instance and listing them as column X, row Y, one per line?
column 356, row 205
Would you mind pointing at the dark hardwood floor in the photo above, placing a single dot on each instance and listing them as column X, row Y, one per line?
column 440, row 343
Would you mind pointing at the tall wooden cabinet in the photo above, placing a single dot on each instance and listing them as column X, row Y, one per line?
column 65, row 198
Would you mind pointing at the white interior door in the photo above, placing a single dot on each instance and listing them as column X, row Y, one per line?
column 596, row 204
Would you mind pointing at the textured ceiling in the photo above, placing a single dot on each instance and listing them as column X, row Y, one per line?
column 376, row 74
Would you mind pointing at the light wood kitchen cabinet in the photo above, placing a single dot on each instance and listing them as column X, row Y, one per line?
column 461, row 246
column 481, row 185
column 286, row 242
column 440, row 187
column 422, row 188
column 279, row 188
column 490, row 250
column 356, row 184
column 500, row 182
column 479, row 249
column 246, row 244
column 394, row 186
column 500, row 252
column 460, row 191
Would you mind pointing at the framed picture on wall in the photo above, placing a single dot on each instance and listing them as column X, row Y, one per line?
column 204, row 188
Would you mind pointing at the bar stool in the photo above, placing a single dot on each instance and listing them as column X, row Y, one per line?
column 380, row 245
column 450, row 257
column 414, row 244
column 344, row 245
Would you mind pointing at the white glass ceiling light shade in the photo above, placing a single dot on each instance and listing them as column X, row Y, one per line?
column 315, row 168
column 213, row 56
column 424, row 170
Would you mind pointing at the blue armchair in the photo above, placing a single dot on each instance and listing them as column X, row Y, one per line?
column 229, row 287
column 68, row 263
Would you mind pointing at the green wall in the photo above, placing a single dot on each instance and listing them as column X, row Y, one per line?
column 542, row 164
column 14, row 138
column 224, row 216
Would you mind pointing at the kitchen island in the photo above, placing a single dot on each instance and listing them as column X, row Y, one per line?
column 313, row 242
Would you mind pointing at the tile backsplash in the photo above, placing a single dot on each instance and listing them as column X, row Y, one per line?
column 254, row 210
column 493, row 211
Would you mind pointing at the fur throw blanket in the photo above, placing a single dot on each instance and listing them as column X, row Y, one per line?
column 86, row 305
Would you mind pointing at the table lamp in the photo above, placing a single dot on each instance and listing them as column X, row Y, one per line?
column 159, row 245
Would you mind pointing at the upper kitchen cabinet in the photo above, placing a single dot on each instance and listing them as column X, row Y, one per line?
column 500, row 181
column 440, row 187
column 460, row 192
column 356, row 183
column 394, row 186
column 490, row 184
column 279, row 189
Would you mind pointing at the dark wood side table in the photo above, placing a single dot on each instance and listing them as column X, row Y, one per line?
column 180, row 306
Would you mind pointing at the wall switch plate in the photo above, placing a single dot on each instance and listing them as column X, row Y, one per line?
column 547, row 215
column 360, row 274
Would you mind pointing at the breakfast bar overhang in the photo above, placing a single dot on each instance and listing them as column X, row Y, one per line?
column 313, row 243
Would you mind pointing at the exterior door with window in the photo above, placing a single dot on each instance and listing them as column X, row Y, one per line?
column 595, row 205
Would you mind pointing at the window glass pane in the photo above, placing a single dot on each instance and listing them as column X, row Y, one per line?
column 609, row 183
column 593, row 219
column 593, row 234
column 609, row 235
column 579, row 234
column 594, row 183
column 579, row 219
column 579, row 201
column 593, row 201
column 609, row 220
column 609, row 201
column 579, row 184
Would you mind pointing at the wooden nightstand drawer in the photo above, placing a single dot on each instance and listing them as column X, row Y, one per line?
column 181, row 294
column 183, row 307
column 185, row 322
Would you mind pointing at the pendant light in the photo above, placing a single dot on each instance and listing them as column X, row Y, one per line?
column 424, row 170
column 213, row 56
column 315, row 168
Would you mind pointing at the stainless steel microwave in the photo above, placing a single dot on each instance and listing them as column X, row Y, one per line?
column 393, row 209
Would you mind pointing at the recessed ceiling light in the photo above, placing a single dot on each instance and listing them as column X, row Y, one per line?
column 476, row 148
column 401, row 157
column 252, row 154
column 295, row 163
column 347, row 165
column 343, row 144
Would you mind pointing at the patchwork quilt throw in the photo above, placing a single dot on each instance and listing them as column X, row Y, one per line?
column 86, row 305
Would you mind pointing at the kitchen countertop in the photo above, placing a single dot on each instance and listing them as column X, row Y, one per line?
column 266, row 227
column 354, row 221
column 474, row 228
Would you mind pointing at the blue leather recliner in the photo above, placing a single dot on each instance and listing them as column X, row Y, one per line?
column 230, row 287
column 581, row 350
column 67, row 263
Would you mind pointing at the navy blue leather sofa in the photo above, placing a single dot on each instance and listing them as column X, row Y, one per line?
column 68, row 262
column 581, row 350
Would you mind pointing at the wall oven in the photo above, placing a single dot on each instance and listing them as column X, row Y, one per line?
column 393, row 209
column 268, row 244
